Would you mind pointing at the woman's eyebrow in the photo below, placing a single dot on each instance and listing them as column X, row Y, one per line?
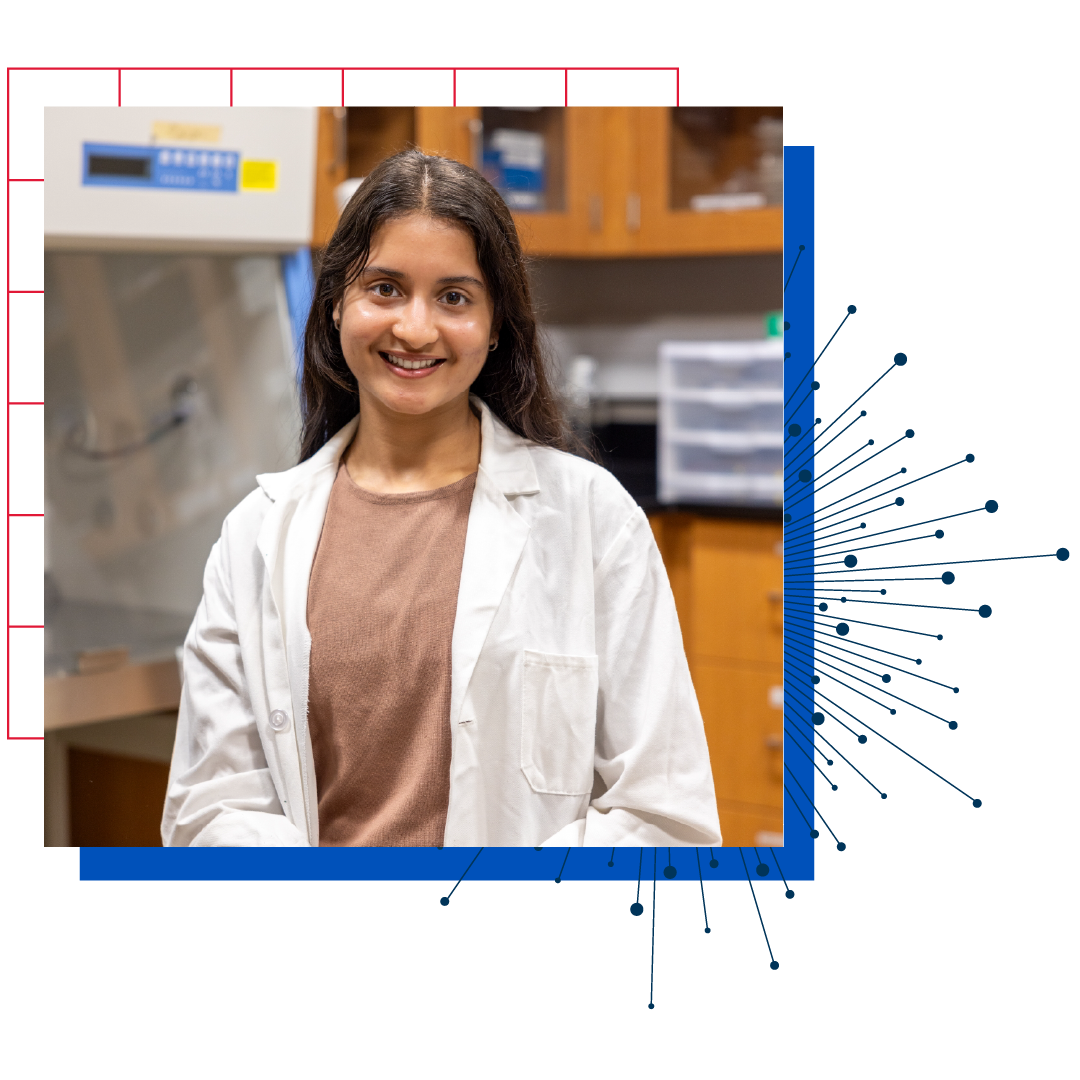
column 383, row 271
column 461, row 279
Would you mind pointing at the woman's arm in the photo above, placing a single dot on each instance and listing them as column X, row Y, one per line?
column 651, row 751
column 221, row 793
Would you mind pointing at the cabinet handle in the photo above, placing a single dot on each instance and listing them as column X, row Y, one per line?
column 633, row 213
column 596, row 213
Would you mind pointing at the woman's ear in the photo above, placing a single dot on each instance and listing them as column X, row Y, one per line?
column 335, row 314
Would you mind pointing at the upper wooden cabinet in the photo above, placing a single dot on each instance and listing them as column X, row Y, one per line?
column 616, row 181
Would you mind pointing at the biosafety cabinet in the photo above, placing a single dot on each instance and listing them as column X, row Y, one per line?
column 177, row 278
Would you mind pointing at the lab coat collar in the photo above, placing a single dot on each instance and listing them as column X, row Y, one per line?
column 504, row 457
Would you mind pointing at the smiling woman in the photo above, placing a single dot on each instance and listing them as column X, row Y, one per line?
column 440, row 627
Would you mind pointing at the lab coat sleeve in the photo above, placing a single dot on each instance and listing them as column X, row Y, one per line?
column 651, row 751
column 220, row 792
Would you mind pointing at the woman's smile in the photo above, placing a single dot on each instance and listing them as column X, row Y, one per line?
column 411, row 365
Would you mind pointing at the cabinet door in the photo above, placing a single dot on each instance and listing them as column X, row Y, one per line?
column 736, row 576
column 742, row 707
column 667, row 231
column 584, row 226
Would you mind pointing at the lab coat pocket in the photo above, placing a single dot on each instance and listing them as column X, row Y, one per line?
column 558, row 722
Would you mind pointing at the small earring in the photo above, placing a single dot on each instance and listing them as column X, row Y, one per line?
column 494, row 345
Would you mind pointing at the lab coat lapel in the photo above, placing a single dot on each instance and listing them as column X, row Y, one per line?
column 287, row 541
column 494, row 542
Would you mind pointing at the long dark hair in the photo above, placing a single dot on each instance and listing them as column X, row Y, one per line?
column 514, row 382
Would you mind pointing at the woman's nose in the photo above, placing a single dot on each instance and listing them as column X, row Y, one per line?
column 416, row 325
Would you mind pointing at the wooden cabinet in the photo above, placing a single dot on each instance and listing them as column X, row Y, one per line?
column 619, row 188
column 727, row 579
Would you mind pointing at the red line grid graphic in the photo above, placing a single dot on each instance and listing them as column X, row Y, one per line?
column 19, row 286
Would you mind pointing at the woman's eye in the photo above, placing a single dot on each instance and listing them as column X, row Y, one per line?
column 385, row 289
column 455, row 299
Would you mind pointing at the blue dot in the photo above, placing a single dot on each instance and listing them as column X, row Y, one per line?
column 948, row 577
column 862, row 525
column 851, row 309
column 841, row 846
column 828, row 761
column 842, row 628
column 762, row 870
column 863, row 413
column 636, row 909
column 969, row 458
column 814, row 833
column 794, row 429
column 900, row 500
column 538, row 849
column 1062, row 553
column 850, row 560
column 976, row 803
column 985, row 611
column 787, row 326
column 862, row 738
column 882, row 592
column 714, row 863
column 899, row 359
column 670, row 872
column 883, row 795
column 775, row 964
column 818, row 420
column 787, row 517
column 941, row 637
column 815, row 679
column 910, row 433
column 558, row 881
column 445, row 900
column 823, row 607
column 956, row 689
column 952, row 725
column 939, row 533
column 611, row 864
column 802, row 247
column 870, row 442
column 892, row 712
column 835, row 788
column 790, row 894
column 651, row 1005
column 815, row 386
column 886, row 677
column 804, row 475
column 843, row 599
column 787, row 356
column 818, row 718
column 904, row 469
column 918, row 661
column 991, row 506
column 707, row 930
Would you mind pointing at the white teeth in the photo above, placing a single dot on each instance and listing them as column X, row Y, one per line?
column 410, row 365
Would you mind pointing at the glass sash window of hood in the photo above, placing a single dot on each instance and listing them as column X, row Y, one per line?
column 523, row 157
column 170, row 382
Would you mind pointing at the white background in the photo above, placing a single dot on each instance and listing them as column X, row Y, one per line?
column 942, row 942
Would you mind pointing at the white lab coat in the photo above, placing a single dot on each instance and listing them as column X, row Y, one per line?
column 572, row 716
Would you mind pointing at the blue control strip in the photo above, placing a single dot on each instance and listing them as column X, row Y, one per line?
column 114, row 165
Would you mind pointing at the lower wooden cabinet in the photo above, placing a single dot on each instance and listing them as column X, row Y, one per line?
column 727, row 579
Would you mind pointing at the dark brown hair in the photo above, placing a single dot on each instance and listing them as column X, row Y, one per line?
column 514, row 383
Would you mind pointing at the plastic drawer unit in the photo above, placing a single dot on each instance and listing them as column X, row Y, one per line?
column 721, row 422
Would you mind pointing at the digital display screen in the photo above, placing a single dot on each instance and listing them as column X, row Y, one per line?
column 108, row 165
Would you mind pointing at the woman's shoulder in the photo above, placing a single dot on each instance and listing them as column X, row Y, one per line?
column 566, row 476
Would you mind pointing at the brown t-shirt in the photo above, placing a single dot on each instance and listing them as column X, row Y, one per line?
column 381, row 606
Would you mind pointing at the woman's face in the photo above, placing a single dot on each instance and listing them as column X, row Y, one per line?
column 416, row 324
